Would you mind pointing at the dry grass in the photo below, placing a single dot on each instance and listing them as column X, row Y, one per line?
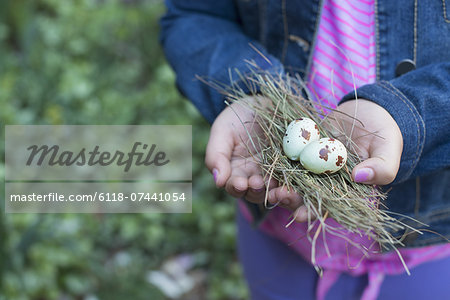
column 358, row 208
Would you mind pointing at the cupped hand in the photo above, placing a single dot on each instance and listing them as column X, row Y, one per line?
column 377, row 140
column 231, row 156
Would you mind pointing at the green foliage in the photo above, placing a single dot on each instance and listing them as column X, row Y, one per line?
column 99, row 62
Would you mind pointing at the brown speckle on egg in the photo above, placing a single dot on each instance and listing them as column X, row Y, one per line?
column 323, row 153
column 339, row 161
column 306, row 134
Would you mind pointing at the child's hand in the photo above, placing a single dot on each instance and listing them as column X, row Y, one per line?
column 379, row 143
column 228, row 157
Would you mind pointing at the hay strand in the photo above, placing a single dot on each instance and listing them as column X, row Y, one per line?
column 358, row 208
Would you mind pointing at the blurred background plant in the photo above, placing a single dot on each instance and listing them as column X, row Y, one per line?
column 99, row 62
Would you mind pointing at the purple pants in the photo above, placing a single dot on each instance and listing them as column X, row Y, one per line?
column 275, row 272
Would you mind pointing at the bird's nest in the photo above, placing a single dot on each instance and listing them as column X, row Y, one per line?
column 356, row 207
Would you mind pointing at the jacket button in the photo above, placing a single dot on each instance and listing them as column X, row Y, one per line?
column 404, row 67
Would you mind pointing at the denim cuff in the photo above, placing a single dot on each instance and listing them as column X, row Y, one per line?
column 407, row 117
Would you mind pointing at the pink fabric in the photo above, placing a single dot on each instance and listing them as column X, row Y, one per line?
column 344, row 257
column 344, row 58
column 344, row 54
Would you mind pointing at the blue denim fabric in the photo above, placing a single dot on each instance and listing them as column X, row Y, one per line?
column 214, row 39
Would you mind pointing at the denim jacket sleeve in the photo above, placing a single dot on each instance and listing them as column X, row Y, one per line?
column 203, row 38
column 419, row 102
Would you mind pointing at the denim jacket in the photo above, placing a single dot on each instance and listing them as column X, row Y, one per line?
column 210, row 38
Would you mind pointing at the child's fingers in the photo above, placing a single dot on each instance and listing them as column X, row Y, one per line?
column 256, row 189
column 287, row 198
column 256, row 182
column 218, row 154
column 237, row 186
column 290, row 200
column 272, row 184
column 301, row 214
column 382, row 166
column 253, row 188
column 383, row 148
column 255, row 196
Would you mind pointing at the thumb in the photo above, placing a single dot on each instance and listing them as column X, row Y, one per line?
column 381, row 167
column 218, row 153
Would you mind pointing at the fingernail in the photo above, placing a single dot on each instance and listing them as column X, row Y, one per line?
column 215, row 173
column 364, row 175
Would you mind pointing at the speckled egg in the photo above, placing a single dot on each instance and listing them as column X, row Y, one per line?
column 326, row 155
column 299, row 133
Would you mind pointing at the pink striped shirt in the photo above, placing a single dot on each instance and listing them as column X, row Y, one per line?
column 344, row 54
column 344, row 58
